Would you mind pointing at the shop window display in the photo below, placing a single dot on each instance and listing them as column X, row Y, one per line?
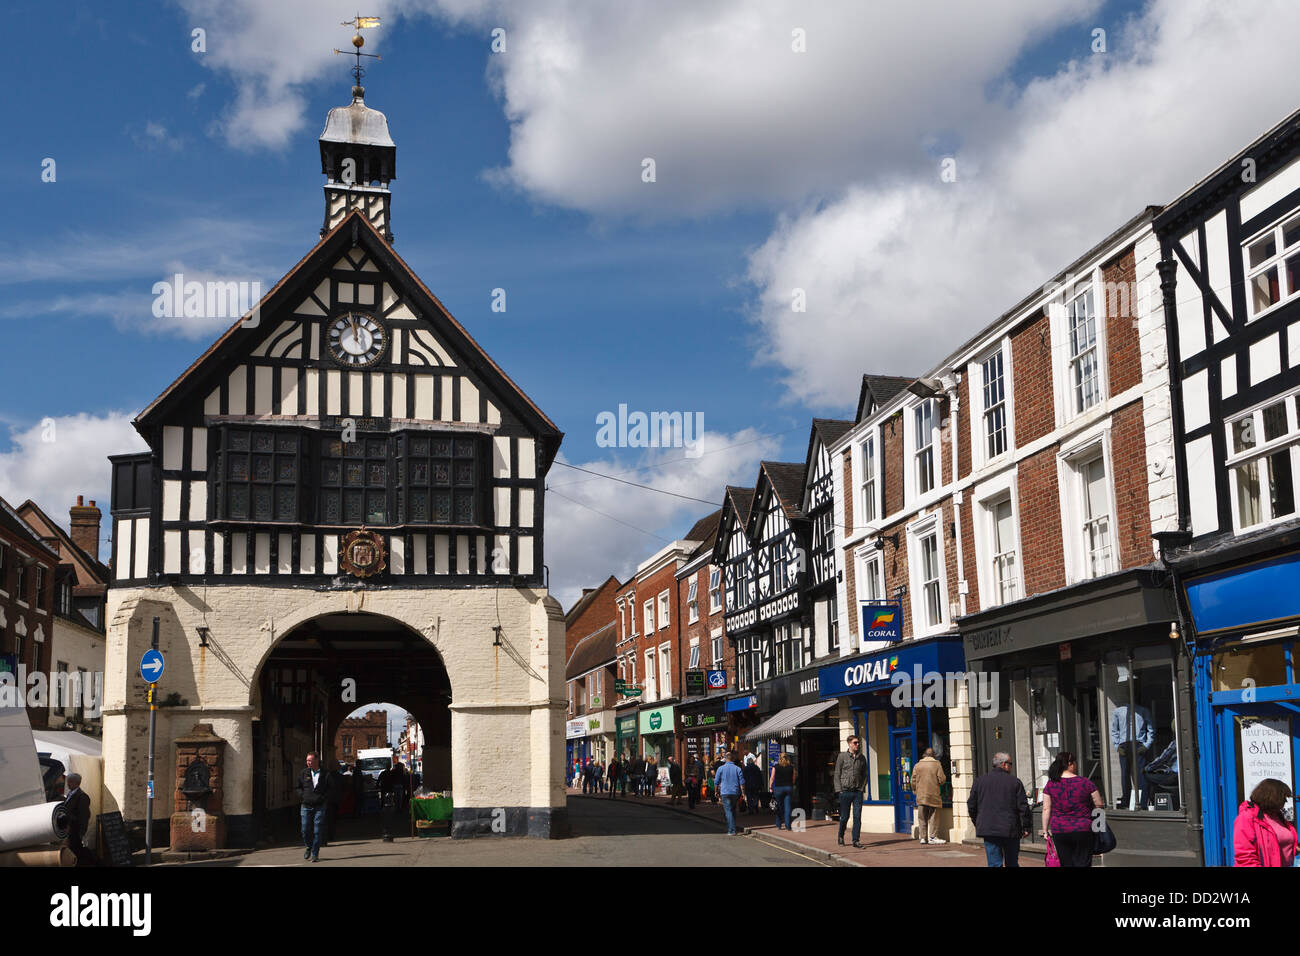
column 1140, row 730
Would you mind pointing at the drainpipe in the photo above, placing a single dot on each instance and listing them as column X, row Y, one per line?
column 954, row 406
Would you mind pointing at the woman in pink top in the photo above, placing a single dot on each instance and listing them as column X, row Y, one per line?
column 1262, row 836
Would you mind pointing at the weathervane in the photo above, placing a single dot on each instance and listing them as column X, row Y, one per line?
column 360, row 23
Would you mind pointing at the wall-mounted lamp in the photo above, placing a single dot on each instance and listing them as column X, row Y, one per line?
column 204, row 634
column 891, row 538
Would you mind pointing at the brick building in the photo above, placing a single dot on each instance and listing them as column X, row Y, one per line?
column 360, row 733
column 80, row 594
column 997, row 516
column 27, row 572
column 708, row 659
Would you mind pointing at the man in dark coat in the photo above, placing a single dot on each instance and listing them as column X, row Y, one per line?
column 753, row 785
column 674, row 780
column 77, row 803
column 694, row 779
column 614, row 773
column 999, row 808
column 313, row 791
column 849, row 780
column 392, row 791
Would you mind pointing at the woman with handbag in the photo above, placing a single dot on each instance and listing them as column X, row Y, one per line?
column 781, row 782
column 1262, row 836
column 1068, row 804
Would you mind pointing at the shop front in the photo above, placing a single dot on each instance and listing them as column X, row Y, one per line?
column 658, row 737
column 625, row 735
column 704, row 729
column 897, row 721
column 805, row 727
column 1092, row 670
column 742, row 717
column 1247, row 688
column 600, row 733
column 575, row 746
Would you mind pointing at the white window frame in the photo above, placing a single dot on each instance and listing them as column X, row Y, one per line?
column 1262, row 450
column 913, row 496
column 1070, row 460
column 631, row 611
column 715, row 589
column 665, row 670
column 694, row 659
column 866, row 558
column 986, row 496
column 715, row 650
column 1277, row 260
column 917, row 532
column 651, row 672
column 622, row 620
column 648, row 609
column 1062, row 368
column 664, row 614
column 979, row 438
column 570, row 684
column 868, row 491
column 692, row 599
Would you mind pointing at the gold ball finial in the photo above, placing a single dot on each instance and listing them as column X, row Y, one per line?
column 358, row 41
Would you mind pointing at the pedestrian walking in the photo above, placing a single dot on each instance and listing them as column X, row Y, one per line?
column 586, row 776
column 675, row 787
column 999, row 808
column 730, row 782
column 849, row 780
column 614, row 773
column 694, row 780
column 1068, row 804
column 392, row 796
column 651, row 775
column 313, row 794
column 928, row 779
column 638, row 774
column 753, row 785
column 1262, row 836
column 77, row 804
column 781, row 781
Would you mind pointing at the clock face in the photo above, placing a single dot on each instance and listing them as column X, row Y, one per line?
column 357, row 339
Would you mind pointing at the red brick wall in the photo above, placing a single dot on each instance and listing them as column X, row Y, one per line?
column 701, row 630
column 1043, row 559
column 849, row 490
column 1129, row 463
column 39, row 612
column 1123, row 354
column 892, row 462
column 594, row 616
column 374, row 723
column 1031, row 359
column 648, row 589
column 963, row 427
column 970, row 565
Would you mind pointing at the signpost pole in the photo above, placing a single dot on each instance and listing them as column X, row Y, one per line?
column 153, row 725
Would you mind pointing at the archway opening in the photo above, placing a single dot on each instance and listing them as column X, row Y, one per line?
column 320, row 674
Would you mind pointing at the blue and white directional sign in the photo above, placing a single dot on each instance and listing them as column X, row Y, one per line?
column 151, row 666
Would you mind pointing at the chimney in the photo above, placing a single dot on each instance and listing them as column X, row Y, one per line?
column 84, row 522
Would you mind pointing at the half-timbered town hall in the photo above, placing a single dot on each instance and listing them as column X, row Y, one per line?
column 342, row 503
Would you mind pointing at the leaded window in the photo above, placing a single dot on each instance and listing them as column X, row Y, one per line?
column 355, row 480
column 441, row 479
column 259, row 475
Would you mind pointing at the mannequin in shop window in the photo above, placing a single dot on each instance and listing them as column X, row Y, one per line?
column 1132, row 739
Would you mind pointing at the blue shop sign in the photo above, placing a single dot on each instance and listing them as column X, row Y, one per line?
column 1263, row 594
column 747, row 702
column 881, row 620
column 868, row 672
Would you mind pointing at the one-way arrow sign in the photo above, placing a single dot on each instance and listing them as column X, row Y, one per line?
column 151, row 666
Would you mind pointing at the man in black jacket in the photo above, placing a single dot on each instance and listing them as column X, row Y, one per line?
column 78, row 806
column 999, row 808
column 314, row 792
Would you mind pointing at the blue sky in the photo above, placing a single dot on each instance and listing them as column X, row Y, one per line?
column 520, row 172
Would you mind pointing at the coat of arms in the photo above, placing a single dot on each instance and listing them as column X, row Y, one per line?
column 362, row 553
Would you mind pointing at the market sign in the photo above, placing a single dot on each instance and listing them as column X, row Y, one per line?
column 881, row 620
column 695, row 684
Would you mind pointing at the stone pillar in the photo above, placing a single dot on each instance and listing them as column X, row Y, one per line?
column 199, row 822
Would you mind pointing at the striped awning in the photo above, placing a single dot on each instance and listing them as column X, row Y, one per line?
column 789, row 719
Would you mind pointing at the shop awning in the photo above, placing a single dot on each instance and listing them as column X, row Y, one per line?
column 789, row 719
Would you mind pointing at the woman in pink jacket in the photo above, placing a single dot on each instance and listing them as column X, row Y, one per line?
column 1262, row 836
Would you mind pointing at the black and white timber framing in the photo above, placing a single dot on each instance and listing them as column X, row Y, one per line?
column 1230, row 282
column 266, row 407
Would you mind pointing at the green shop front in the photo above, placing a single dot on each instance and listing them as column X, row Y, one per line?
column 658, row 736
column 625, row 736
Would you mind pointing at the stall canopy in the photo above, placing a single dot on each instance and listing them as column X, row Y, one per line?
column 789, row 719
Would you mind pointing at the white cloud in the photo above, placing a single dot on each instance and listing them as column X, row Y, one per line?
column 584, row 547
column 898, row 274
column 58, row 458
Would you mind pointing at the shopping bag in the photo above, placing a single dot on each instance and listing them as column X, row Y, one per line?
column 1052, row 858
